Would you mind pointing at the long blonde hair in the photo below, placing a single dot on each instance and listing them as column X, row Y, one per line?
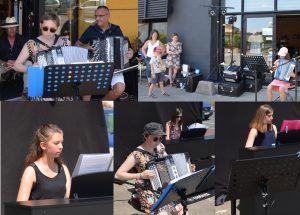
column 42, row 134
column 258, row 121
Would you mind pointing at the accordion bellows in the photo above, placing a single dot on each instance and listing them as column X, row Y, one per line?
column 63, row 55
column 169, row 168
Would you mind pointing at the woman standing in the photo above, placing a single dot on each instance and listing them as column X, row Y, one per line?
column 148, row 51
column 262, row 131
column 45, row 176
column 174, row 49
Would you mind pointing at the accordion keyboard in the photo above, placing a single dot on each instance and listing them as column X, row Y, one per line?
column 155, row 182
column 168, row 168
column 62, row 55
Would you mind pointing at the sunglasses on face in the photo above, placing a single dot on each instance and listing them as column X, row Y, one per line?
column 155, row 139
column 46, row 28
column 178, row 116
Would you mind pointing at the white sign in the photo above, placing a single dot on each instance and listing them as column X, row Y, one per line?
column 267, row 31
column 268, row 38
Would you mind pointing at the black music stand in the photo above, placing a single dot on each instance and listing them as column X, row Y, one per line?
column 90, row 171
column 181, row 188
column 77, row 79
column 258, row 64
column 260, row 176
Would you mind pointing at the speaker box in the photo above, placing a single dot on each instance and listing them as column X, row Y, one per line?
column 206, row 88
column 192, row 82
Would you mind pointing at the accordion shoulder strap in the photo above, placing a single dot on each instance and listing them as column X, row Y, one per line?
column 46, row 45
column 144, row 151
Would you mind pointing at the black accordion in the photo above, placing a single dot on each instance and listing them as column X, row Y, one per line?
column 111, row 50
column 168, row 168
column 62, row 55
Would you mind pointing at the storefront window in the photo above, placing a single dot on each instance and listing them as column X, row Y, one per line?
column 144, row 29
column 232, row 39
column 260, row 37
column 236, row 4
column 75, row 16
column 259, row 5
column 288, row 5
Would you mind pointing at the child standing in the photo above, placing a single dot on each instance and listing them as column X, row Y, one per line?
column 157, row 73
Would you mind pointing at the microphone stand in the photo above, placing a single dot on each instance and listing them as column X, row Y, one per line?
column 296, row 72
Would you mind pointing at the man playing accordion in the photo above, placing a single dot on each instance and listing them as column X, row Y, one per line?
column 101, row 30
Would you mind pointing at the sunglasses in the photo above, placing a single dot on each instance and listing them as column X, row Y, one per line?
column 52, row 30
column 155, row 139
column 178, row 116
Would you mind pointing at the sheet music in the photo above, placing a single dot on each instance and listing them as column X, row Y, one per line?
column 93, row 163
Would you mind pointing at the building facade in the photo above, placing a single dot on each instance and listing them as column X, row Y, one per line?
column 261, row 28
column 191, row 21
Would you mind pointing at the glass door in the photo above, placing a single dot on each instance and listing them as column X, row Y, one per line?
column 259, row 36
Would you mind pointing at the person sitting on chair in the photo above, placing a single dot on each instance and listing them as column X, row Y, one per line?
column 101, row 30
column 262, row 131
column 283, row 73
column 150, row 149
column 11, row 44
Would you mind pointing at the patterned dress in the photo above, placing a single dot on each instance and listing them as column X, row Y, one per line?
column 173, row 60
column 34, row 47
column 175, row 131
column 146, row 197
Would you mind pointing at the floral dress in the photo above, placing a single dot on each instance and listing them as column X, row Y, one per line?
column 175, row 131
column 146, row 197
column 173, row 60
column 34, row 47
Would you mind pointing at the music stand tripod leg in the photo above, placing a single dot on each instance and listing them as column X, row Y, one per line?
column 265, row 195
column 233, row 207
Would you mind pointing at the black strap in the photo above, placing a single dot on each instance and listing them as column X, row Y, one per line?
column 46, row 45
column 144, row 151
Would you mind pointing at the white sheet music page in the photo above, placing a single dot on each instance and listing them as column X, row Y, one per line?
column 93, row 163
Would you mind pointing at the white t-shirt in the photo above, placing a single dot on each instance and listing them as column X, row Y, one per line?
column 151, row 48
column 155, row 61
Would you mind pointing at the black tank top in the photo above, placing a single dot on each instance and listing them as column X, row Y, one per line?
column 265, row 139
column 48, row 188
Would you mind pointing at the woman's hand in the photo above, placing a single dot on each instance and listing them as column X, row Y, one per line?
column 147, row 174
column 193, row 167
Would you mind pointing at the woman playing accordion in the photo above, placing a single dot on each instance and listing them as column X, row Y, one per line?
column 49, row 25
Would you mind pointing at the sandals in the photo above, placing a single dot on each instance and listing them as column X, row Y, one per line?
column 152, row 96
column 165, row 94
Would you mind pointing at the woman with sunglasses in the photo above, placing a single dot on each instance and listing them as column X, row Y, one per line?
column 150, row 149
column 48, row 25
column 174, row 127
